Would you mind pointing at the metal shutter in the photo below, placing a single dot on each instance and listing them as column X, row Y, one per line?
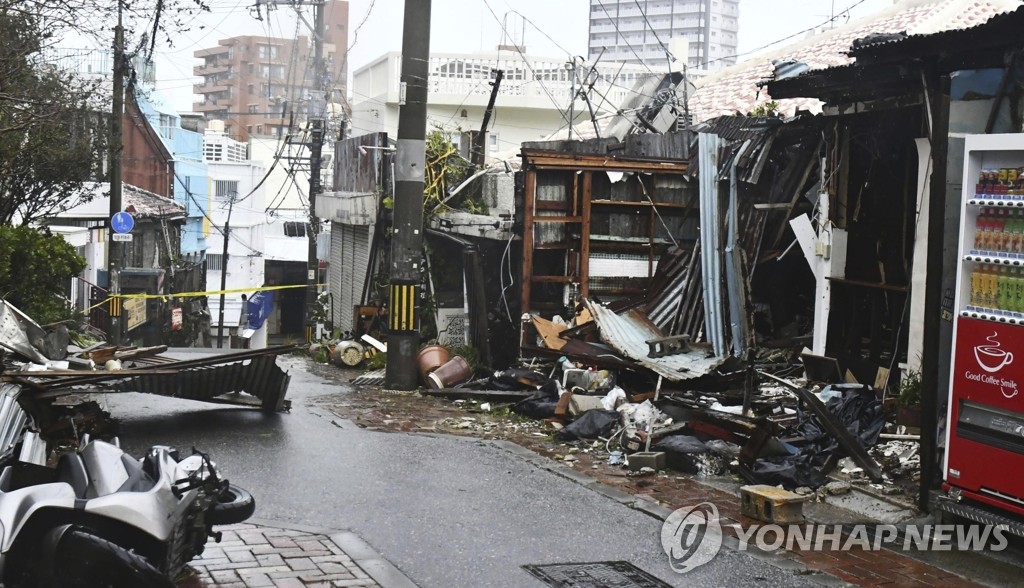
column 350, row 256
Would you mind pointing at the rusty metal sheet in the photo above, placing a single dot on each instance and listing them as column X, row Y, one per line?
column 628, row 334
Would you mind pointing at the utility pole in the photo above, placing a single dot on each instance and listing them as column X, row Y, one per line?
column 224, row 271
column 116, row 144
column 317, row 121
column 480, row 145
column 407, row 233
column 317, row 125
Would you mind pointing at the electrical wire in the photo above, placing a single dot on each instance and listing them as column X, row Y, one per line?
column 834, row 18
column 668, row 54
column 615, row 24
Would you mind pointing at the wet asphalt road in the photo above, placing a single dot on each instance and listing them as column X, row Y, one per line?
column 450, row 512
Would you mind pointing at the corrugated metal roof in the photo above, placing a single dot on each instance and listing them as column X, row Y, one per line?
column 145, row 204
column 628, row 334
column 735, row 89
column 867, row 45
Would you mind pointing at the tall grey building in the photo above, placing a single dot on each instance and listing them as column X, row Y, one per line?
column 701, row 33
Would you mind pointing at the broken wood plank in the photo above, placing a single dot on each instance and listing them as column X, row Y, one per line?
column 550, row 333
column 487, row 395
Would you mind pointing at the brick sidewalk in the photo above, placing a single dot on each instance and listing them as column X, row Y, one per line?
column 262, row 554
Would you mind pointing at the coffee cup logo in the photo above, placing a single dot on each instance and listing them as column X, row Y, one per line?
column 992, row 357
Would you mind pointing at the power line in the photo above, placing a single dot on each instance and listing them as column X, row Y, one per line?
column 668, row 54
column 615, row 24
column 786, row 38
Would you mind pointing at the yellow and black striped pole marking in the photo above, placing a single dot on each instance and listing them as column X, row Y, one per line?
column 402, row 311
column 115, row 306
column 310, row 328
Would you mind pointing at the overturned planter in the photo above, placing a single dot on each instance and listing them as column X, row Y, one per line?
column 430, row 358
column 454, row 372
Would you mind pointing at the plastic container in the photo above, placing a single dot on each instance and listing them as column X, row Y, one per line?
column 430, row 358
column 455, row 371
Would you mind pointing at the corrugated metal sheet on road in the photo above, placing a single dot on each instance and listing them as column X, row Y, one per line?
column 257, row 376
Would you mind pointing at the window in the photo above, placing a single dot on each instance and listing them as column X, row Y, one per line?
column 268, row 51
column 294, row 229
column 254, row 109
column 259, row 129
column 252, row 89
column 214, row 262
column 272, row 71
column 492, row 142
column 225, row 189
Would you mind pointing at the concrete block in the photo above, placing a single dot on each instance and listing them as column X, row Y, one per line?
column 647, row 459
column 771, row 504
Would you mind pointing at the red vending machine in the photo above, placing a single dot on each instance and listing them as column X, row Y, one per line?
column 984, row 457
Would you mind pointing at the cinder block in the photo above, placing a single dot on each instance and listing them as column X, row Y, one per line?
column 647, row 459
column 771, row 504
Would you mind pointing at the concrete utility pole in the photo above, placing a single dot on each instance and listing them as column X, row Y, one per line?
column 116, row 144
column 407, row 234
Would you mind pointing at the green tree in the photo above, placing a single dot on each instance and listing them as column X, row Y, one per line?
column 50, row 135
column 54, row 123
column 35, row 267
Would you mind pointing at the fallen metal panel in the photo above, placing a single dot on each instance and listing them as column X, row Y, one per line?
column 711, row 240
column 733, row 273
column 253, row 372
column 628, row 334
column 258, row 376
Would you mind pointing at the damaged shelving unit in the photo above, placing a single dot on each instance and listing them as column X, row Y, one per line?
column 578, row 206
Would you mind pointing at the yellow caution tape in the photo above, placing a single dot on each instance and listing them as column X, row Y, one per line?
column 197, row 294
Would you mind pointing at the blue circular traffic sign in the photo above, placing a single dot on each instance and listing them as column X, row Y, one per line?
column 122, row 222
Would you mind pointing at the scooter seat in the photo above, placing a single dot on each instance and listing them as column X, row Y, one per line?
column 71, row 469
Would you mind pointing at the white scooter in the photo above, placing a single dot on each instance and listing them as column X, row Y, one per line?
column 104, row 519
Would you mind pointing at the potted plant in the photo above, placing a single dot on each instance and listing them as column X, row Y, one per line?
column 908, row 403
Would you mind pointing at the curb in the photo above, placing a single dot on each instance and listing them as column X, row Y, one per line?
column 380, row 570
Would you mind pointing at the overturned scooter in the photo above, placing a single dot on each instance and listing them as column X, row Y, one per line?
column 104, row 519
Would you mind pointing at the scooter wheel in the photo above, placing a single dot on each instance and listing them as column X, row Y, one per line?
column 86, row 560
column 234, row 505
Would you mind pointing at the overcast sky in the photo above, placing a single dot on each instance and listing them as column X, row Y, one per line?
column 554, row 28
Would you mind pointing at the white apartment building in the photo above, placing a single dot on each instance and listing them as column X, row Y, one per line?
column 703, row 34
column 533, row 101
column 236, row 207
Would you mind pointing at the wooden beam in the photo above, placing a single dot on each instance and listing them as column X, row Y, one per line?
column 528, row 212
column 585, row 205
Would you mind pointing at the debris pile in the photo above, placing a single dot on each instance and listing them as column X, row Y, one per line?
column 50, row 363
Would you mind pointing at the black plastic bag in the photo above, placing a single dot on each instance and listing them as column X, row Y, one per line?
column 541, row 405
column 590, row 425
column 856, row 408
column 790, row 473
column 681, row 444
column 682, row 452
